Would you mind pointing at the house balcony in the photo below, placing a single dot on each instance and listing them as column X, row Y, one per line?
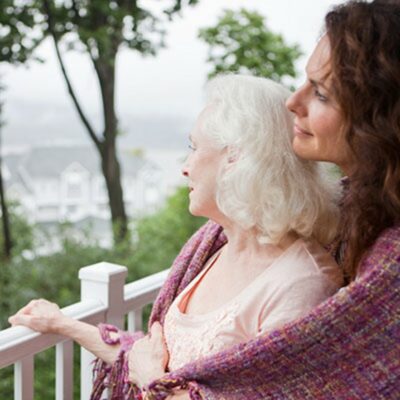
column 104, row 298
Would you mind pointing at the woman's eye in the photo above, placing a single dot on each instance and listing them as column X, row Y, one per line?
column 191, row 147
column 320, row 96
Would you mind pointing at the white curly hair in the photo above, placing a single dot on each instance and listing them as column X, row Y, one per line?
column 267, row 187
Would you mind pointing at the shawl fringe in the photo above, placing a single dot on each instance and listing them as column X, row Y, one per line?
column 115, row 378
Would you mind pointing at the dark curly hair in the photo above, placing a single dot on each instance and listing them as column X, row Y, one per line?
column 365, row 70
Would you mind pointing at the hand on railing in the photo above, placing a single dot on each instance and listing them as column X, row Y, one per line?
column 40, row 315
column 46, row 317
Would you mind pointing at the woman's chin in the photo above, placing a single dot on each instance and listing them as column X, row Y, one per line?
column 195, row 212
column 304, row 150
column 198, row 212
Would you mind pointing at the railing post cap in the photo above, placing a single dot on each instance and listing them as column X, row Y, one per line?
column 103, row 272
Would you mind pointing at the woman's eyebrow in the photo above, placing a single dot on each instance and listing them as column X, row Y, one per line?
column 317, row 83
column 314, row 82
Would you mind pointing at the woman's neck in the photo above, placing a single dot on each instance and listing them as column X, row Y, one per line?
column 244, row 245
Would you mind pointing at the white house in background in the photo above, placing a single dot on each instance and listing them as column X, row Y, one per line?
column 55, row 184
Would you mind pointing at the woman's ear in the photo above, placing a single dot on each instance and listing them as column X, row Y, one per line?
column 233, row 154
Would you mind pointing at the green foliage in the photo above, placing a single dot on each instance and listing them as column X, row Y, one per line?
column 158, row 239
column 22, row 237
column 54, row 277
column 242, row 43
column 18, row 39
column 162, row 235
column 22, row 231
column 98, row 27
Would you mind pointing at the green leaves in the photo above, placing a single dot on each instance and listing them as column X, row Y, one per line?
column 98, row 26
column 22, row 232
column 242, row 43
column 177, row 6
column 21, row 30
column 161, row 236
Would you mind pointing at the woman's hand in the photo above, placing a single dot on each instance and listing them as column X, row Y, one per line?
column 39, row 315
column 46, row 317
column 148, row 357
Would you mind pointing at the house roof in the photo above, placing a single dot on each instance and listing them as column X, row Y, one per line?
column 51, row 162
column 12, row 163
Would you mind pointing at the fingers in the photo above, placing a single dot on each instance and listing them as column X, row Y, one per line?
column 138, row 344
column 31, row 305
column 157, row 337
column 156, row 330
column 23, row 311
column 157, row 334
column 26, row 309
column 35, row 308
column 20, row 319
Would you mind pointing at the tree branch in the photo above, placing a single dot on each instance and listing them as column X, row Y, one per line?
column 71, row 91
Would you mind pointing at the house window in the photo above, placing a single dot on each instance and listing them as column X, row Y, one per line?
column 74, row 190
column 74, row 186
column 72, row 209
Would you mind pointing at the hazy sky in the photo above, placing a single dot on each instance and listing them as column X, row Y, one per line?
column 168, row 85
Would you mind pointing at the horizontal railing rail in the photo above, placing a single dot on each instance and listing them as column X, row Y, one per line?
column 19, row 342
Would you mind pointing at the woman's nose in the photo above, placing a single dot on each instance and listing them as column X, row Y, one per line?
column 291, row 103
column 184, row 169
column 295, row 102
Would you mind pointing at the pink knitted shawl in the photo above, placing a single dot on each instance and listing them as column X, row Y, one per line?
column 346, row 348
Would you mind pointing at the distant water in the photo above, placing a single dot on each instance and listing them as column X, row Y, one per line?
column 35, row 127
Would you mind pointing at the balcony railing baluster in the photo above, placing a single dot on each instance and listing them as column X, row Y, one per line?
column 135, row 320
column 64, row 370
column 23, row 378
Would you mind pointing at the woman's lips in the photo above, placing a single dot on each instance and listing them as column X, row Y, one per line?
column 301, row 132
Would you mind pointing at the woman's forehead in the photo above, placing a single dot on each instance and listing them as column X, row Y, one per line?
column 319, row 67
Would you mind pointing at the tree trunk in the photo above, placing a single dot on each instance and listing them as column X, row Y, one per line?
column 105, row 69
column 106, row 146
column 4, row 214
column 7, row 244
column 112, row 174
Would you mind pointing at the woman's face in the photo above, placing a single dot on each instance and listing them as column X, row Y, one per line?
column 201, row 168
column 318, row 124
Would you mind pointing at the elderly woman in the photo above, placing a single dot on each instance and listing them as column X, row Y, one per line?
column 269, row 213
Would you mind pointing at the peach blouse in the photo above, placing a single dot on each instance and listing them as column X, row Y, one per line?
column 300, row 278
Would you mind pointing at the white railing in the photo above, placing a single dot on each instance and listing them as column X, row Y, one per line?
column 104, row 298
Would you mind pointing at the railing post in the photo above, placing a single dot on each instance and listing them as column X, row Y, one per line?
column 135, row 320
column 64, row 370
column 23, row 379
column 104, row 282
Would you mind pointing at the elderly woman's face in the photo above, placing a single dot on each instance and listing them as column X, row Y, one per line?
column 318, row 133
column 201, row 168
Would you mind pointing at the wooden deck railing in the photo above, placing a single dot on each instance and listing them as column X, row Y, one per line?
column 104, row 298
